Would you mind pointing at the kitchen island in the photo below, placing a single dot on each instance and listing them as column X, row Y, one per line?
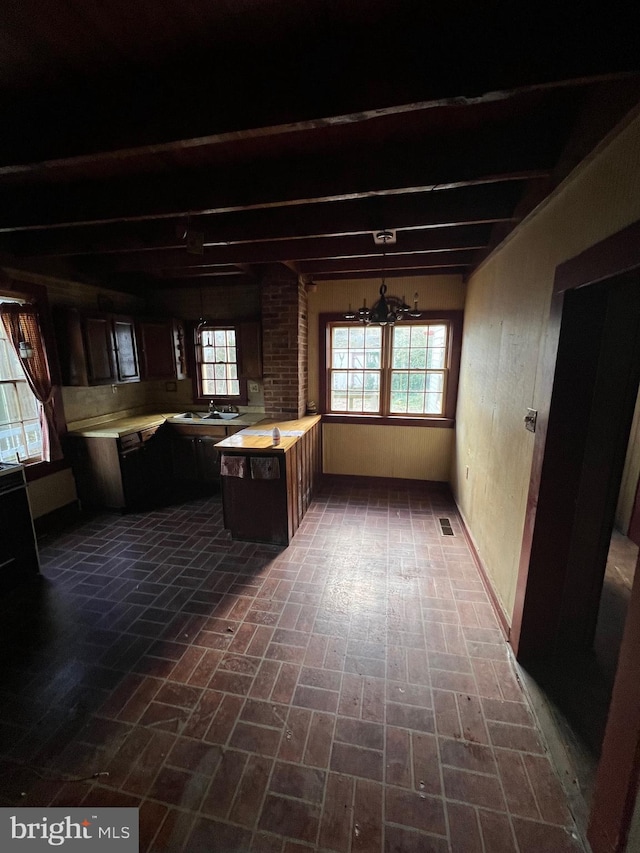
column 267, row 486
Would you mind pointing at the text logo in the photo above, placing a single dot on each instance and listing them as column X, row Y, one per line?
column 105, row 830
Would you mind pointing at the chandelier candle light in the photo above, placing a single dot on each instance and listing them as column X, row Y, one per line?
column 388, row 310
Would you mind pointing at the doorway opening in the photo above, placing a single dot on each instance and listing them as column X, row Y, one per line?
column 575, row 607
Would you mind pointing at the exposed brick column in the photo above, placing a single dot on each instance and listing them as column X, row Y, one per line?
column 284, row 344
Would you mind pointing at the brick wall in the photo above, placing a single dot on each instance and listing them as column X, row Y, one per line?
column 284, row 345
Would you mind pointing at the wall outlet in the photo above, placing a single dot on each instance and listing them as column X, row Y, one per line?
column 114, row 389
column 254, row 387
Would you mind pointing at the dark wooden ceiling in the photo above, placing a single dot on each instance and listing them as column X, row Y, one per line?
column 290, row 132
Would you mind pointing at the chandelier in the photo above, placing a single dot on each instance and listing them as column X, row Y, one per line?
column 388, row 310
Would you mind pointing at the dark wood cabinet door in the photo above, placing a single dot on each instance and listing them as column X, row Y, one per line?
column 250, row 349
column 99, row 349
column 135, row 476
column 183, row 457
column 157, row 354
column 67, row 323
column 208, row 459
column 126, row 351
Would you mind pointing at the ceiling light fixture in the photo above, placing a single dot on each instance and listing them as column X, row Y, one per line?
column 202, row 322
column 388, row 310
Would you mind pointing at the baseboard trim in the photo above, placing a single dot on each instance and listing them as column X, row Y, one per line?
column 484, row 576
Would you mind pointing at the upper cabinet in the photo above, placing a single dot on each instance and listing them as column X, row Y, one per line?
column 103, row 349
column 157, row 358
column 110, row 349
column 161, row 346
column 250, row 349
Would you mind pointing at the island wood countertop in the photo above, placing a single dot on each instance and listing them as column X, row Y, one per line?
column 259, row 438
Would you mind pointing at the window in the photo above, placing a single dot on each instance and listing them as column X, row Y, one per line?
column 219, row 363
column 217, row 374
column 20, row 430
column 390, row 372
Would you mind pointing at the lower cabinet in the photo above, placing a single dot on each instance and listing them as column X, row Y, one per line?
column 194, row 456
column 120, row 473
column 195, row 459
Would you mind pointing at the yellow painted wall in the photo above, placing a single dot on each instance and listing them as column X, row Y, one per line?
column 505, row 319
column 50, row 493
column 383, row 451
column 410, row 453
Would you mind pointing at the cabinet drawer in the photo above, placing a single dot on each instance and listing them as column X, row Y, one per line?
column 149, row 432
column 129, row 441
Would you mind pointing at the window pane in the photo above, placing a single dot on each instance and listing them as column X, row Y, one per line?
column 437, row 336
column 435, row 381
column 356, row 359
column 418, row 359
column 340, row 338
column 339, row 380
column 399, row 381
column 401, row 336
column 9, row 408
column 400, row 358
column 373, row 337
column 415, row 403
column 434, row 404
column 435, row 357
column 417, row 381
column 27, row 401
column 338, row 402
column 356, row 338
column 419, row 336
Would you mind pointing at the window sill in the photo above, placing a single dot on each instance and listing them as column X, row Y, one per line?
column 390, row 420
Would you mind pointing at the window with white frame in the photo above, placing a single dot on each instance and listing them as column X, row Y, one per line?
column 408, row 370
column 219, row 363
column 20, row 430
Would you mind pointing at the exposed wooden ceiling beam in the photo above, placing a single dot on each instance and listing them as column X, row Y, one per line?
column 361, row 245
column 418, row 271
column 456, row 207
column 381, row 264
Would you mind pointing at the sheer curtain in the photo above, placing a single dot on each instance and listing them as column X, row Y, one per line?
column 22, row 325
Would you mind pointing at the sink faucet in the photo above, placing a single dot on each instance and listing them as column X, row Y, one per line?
column 212, row 407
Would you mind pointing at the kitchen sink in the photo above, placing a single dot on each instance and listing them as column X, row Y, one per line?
column 206, row 416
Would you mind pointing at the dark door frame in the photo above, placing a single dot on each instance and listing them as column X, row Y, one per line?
column 539, row 591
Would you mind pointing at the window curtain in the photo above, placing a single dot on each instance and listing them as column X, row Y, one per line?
column 21, row 324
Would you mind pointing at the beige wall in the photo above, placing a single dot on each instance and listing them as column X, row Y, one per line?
column 505, row 318
column 50, row 493
column 380, row 451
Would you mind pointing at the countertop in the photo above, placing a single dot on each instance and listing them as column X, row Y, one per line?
column 124, row 426
column 260, row 435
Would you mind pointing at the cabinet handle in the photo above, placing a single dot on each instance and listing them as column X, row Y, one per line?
column 6, row 562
